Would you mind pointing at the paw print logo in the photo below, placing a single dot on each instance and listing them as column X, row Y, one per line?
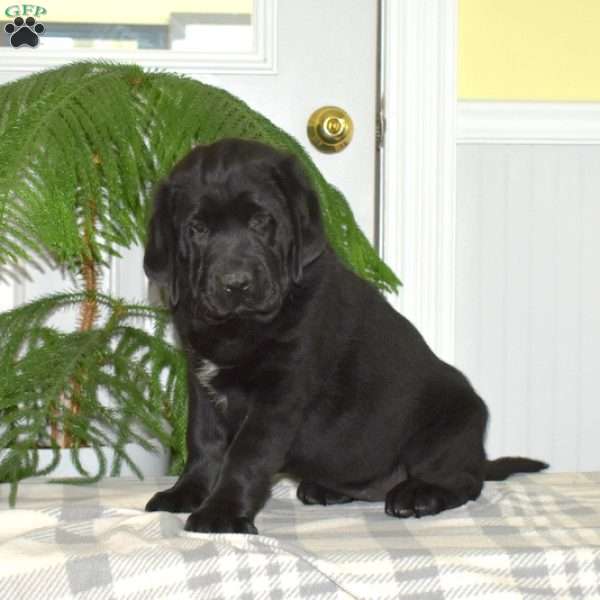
column 24, row 32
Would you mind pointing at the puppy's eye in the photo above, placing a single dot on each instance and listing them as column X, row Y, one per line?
column 198, row 229
column 260, row 221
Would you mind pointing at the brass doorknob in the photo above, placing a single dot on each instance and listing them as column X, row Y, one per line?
column 330, row 129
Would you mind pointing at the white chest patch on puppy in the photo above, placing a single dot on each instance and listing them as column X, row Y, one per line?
column 205, row 373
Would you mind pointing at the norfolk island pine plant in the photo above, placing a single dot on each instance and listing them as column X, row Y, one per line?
column 81, row 149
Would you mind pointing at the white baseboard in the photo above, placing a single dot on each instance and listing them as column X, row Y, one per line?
column 488, row 122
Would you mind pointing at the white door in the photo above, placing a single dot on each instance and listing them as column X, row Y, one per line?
column 326, row 56
column 307, row 54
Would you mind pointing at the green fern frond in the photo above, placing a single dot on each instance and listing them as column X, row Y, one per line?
column 68, row 157
column 90, row 146
column 39, row 365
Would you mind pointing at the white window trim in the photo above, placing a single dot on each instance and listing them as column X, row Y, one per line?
column 261, row 60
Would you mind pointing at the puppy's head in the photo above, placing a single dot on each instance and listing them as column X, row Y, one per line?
column 233, row 227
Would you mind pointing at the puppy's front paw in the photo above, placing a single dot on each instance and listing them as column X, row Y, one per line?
column 207, row 520
column 175, row 501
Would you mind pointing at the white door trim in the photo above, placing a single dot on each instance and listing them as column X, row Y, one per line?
column 486, row 122
column 418, row 212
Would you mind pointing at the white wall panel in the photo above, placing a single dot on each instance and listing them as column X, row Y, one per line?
column 528, row 296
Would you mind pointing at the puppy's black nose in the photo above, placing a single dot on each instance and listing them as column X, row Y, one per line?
column 237, row 283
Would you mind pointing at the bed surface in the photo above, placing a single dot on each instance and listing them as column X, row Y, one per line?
column 534, row 536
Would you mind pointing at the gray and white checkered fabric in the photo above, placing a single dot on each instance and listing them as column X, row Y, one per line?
column 535, row 536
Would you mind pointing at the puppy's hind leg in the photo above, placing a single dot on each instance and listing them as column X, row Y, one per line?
column 309, row 492
column 417, row 497
column 445, row 464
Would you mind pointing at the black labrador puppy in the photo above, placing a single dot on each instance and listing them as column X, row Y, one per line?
column 295, row 364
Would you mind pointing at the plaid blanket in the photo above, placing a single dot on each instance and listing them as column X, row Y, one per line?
column 535, row 536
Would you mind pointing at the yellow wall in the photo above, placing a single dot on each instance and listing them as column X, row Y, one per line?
column 529, row 50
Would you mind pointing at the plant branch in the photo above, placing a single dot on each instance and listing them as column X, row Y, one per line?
column 88, row 315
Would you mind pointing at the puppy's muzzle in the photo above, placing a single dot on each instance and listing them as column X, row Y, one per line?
column 239, row 290
column 237, row 286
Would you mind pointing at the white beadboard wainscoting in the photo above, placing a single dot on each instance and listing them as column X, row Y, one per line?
column 527, row 329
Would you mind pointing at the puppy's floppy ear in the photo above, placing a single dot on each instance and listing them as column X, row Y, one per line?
column 159, row 257
column 305, row 213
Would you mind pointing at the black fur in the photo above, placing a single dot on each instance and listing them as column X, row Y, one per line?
column 313, row 373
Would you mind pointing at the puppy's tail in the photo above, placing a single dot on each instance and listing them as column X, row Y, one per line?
column 501, row 468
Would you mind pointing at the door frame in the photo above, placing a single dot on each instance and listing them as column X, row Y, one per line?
column 417, row 206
